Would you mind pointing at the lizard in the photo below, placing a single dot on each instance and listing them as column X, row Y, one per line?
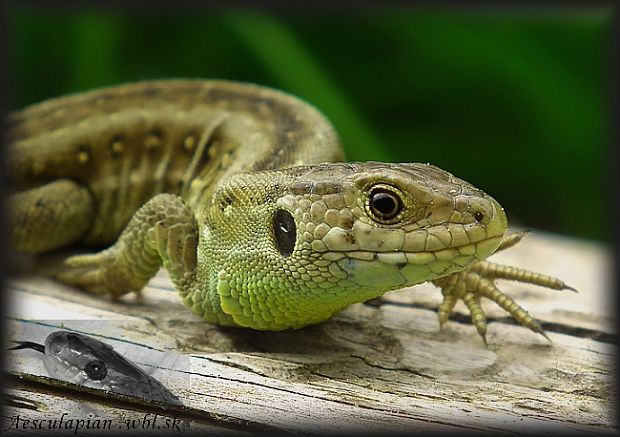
column 242, row 194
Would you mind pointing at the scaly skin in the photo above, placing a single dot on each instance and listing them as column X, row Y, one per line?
column 228, row 186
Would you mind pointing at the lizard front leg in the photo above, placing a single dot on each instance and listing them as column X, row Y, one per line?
column 162, row 232
column 477, row 281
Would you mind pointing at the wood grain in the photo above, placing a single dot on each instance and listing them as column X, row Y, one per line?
column 377, row 366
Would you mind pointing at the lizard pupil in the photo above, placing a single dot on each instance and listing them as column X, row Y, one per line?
column 384, row 204
column 285, row 231
column 96, row 370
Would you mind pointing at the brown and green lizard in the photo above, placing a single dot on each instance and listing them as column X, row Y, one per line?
column 237, row 190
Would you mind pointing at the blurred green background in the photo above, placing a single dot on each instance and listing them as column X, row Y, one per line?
column 513, row 100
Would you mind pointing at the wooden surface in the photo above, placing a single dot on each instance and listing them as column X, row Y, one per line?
column 377, row 366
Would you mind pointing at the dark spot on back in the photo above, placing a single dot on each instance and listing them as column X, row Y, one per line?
column 83, row 154
column 190, row 142
column 154, row 140
column 116, row 146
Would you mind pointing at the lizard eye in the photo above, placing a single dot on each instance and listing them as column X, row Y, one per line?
column 384, row 204
column 284, row 231
column 96, row 370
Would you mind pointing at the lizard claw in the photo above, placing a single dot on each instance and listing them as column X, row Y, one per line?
column 469, row 286
column 478, row 281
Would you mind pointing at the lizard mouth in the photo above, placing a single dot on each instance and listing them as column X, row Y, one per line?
column 463, row 254
column 392, row 270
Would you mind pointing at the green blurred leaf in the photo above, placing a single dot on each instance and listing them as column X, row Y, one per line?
column 297, row 71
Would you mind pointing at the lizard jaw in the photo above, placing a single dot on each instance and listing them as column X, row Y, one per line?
column 390, row 270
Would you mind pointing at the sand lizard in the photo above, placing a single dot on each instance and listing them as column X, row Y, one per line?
column 239, row 192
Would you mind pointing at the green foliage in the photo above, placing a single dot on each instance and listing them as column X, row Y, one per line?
column 512, row 101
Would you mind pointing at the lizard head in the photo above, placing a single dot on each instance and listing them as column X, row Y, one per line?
column 325, row 236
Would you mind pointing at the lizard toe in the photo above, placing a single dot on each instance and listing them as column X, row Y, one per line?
column 470, row 286
column 98, row 273
column 478, row 281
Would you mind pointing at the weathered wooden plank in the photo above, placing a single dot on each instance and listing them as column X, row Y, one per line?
column 374, row 367
column 27, row 411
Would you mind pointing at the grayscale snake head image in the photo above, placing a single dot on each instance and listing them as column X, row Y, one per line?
column 83, row 360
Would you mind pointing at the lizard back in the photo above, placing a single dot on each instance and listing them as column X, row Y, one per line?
column 130, row 142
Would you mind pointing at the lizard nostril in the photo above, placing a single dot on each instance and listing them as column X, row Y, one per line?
column 479, row 216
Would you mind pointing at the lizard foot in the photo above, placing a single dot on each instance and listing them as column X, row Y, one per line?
column 477, row 281
column 100, row 273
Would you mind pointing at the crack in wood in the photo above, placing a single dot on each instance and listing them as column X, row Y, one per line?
column 560, row 328
column 63, row 389
column 50, row 325
column 403, row 369
column 15, row 401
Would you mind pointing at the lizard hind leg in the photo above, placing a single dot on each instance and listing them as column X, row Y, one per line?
column 49, row 217
column 162, row 232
